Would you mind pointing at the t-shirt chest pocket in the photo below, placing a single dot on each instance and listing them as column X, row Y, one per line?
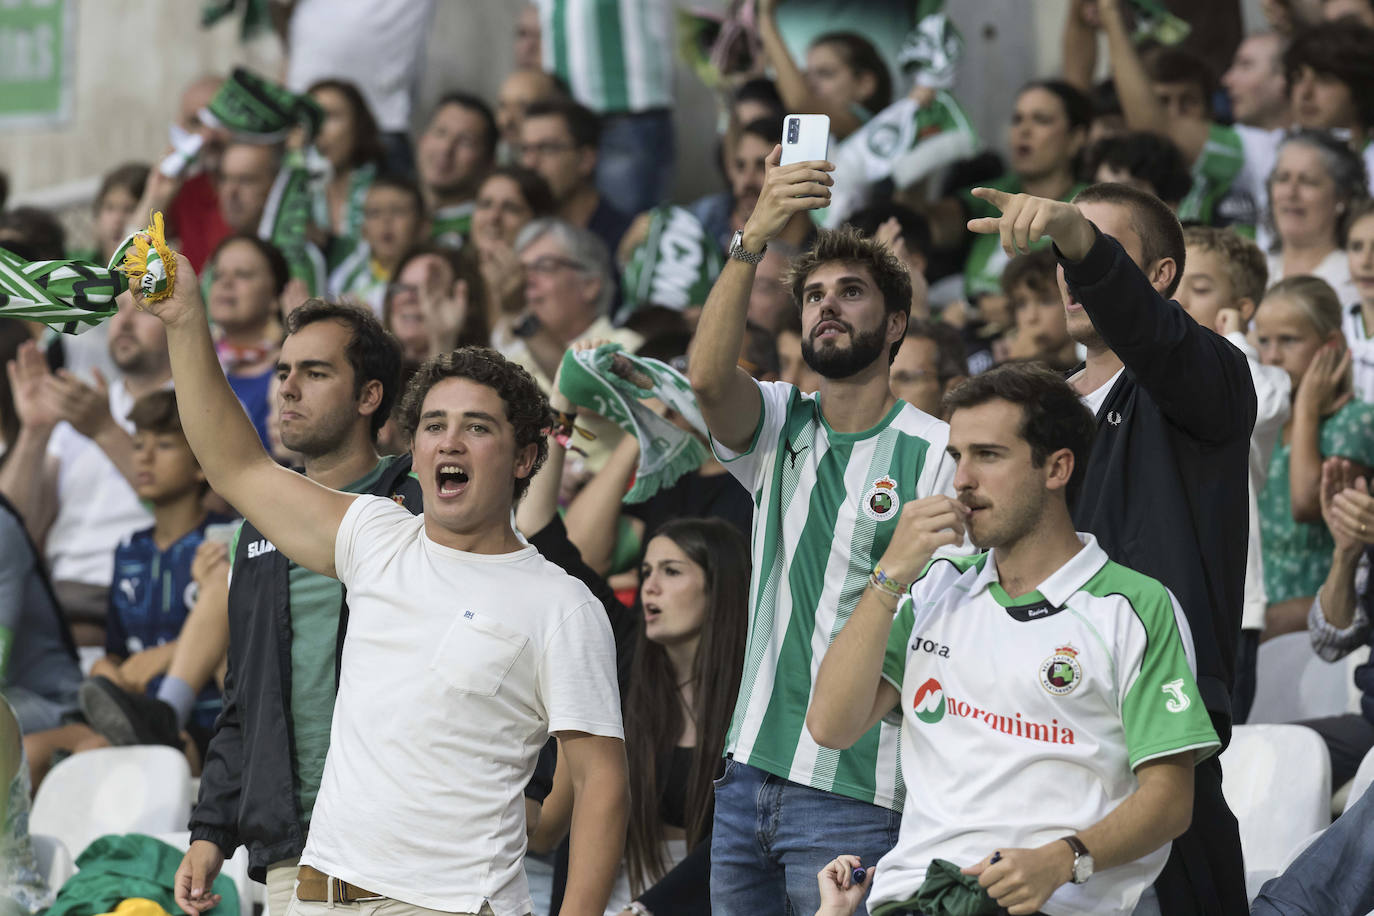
column 476, row 654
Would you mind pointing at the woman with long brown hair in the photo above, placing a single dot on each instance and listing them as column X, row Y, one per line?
column 693, row 593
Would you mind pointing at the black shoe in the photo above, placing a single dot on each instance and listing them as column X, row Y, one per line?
column 124, row 718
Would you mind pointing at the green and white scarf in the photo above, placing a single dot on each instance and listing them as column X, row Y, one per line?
column 674, row 266
column 613, row 383
column 69, row 296
column 258, row 110
column 1154, row 23
column 932, row 50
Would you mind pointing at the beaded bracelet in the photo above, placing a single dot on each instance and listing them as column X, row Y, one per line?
column 885, row 583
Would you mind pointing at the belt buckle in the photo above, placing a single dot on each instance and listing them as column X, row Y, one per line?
column 339, row 892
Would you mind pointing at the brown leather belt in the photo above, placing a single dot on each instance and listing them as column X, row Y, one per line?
column 315, row 886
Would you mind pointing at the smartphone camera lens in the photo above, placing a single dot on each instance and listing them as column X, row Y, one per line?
column 793, row 129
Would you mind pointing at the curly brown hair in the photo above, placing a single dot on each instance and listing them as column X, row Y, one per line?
column 849, row 246
column 527, row 408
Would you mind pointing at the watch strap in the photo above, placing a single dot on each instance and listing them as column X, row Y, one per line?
column 1077, row 846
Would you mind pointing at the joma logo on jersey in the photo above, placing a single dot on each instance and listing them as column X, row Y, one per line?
column 260, row 548
column 931, row 646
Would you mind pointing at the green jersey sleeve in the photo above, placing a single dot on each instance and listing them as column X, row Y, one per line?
column 1161, row 710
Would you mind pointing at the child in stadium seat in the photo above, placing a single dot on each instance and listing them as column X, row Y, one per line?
column 154, row 592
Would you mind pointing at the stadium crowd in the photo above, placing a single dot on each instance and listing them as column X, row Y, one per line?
column 893, row 533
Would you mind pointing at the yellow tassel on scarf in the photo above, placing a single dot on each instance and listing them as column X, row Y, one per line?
column 148, row 262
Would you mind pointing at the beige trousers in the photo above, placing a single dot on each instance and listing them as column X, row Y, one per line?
column 281, row 885
column 383, row 907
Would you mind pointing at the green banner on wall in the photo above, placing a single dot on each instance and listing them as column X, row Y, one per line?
column 35, row 62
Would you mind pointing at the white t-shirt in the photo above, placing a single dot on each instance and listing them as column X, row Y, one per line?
column 1334, row 269
column 1273, row 406
column 1058, row 695
column 376, row 44
column 1094, row 399
column 456, row 668
column 96, row 507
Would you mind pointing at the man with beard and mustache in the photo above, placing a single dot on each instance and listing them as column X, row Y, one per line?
column 1165, row 490
column 1086, row 724
column 829, row 473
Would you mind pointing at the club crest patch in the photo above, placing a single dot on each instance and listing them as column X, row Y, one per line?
column 881, row 502
column 1061, row 672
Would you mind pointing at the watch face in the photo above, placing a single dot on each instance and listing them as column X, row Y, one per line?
column 1082, row 869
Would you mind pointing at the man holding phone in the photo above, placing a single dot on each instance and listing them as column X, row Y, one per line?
column 828, row 473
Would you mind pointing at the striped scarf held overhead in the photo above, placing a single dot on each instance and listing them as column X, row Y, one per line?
column 69, row 296
column 72, row 296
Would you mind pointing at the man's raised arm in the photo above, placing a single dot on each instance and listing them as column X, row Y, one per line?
column 1170, row 355
column 729, row 398
column 297, row 515
column 851, row 692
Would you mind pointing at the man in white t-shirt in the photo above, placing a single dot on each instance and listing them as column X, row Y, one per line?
column 465, row 648
column 1067, row 677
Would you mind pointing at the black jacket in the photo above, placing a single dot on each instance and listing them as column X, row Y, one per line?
column 1165, row 490
column 248, row 785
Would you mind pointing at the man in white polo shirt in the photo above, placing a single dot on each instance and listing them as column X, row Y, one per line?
column 1050, row 719
column 465, row 648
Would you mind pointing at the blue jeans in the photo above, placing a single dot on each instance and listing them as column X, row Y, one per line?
column 1333, row 875
column 634, row 168
column 772, row 836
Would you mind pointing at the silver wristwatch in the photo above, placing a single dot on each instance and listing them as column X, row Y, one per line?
column 1082, row 860
column 739, row 254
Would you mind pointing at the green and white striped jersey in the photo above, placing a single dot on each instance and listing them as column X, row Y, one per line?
column 1059, row 695
column 825, row 507
column 359, row 278
column 615, row 55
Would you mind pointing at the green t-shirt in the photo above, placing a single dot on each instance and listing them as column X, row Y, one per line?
column 315, row 602
column 986, row 259
column 1297, row 555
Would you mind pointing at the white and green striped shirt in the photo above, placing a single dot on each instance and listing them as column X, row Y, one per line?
column 615, row 55
column 825, row 507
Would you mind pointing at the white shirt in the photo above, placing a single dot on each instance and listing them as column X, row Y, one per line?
column 1058, row 695
column 1361, row 352
column 1334, row 269
column 1094, row 399
column 456, row 668
column 376, row 44
column 1273, row 406
column 96, row 507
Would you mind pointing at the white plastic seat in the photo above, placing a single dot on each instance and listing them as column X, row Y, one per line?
column 1277, row 781
column 235, row 869
column 54, row 861
column 1292, row 682
column 144, row 789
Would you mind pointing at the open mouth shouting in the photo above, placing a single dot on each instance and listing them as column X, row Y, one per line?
column 452, row 480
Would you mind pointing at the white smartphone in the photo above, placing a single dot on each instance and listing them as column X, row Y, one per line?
column 805, row 137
